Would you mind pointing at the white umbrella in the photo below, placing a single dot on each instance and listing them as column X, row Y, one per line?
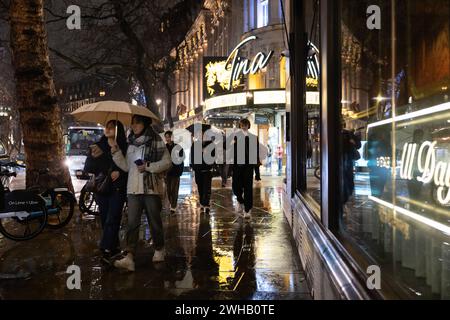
column 104, row 111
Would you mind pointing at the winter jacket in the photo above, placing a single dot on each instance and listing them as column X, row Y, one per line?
column 105, row 164
column 250, row 144
column 151, row 149
column 203, row 166
column 177, row 169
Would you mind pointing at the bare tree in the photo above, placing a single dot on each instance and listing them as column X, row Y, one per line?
column 10, row 133
column 128, row 39
column 36, row 95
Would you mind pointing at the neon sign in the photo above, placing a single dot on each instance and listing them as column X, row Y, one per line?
column 423, row 158
column 241, row 66
column 218, row 77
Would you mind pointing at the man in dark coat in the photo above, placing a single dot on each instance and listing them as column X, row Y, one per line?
column 174, row 174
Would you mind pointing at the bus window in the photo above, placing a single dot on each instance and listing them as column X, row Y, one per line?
column 79, row 140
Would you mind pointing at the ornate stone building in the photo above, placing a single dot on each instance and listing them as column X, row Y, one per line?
column 216, row 32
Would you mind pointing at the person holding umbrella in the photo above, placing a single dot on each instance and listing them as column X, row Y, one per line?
column 146, row 162
column 112, row 198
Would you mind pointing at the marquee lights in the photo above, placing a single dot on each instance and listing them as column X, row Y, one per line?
column 241, row 99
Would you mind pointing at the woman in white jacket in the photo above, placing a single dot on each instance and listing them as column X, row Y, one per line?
column 146, row 162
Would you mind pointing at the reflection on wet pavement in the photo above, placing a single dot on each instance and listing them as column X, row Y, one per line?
column 216, row 256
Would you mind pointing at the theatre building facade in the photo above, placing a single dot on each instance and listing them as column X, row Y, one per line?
column 370, row 214
column 233, row 67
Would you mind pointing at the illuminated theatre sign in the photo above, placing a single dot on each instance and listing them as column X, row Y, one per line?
column 423, row 163
column 226, row 74
column 423, row 158
column 241, row 66
column 217, row 77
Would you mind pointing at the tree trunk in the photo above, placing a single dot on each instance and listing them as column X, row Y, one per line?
column 36, row 95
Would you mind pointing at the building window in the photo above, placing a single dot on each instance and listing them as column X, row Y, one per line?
column 263, row 13
column 308, row 137
column 395, row 142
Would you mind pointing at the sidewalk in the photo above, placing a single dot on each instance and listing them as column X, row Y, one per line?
column 208, row 257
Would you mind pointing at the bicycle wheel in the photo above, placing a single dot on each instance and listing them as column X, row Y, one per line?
column 317, row 172
column 24, row 227
column 87, row 203
column 61, row 211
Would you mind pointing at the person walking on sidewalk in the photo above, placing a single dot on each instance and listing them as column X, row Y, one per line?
column 146, row 162
column 257, row 172
column 280, row 159
column 203, row 174
column 245, row 161
column 269, row 158
column 174, row 174
column 112, row 199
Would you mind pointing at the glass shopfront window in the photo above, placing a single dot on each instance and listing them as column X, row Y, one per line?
column 311, row 111
column 395, row 141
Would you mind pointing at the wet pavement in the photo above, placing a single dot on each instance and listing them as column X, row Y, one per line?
column 216, row 256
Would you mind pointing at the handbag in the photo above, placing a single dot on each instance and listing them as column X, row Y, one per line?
column 100, row 184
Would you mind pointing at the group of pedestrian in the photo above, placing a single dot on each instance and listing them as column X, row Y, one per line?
column 139, row 170
column 243, row 170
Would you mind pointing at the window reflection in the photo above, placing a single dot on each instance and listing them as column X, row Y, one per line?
column 396, row 181
column 312, row 103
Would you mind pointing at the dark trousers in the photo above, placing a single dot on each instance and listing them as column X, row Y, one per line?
column 110, row 208
column 151, row 205
column 224, row 172
column 257, row 173
column 173, row 186
column 243, row 185
column 203, row 180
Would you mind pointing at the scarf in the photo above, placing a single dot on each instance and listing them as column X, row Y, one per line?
column 153, row 152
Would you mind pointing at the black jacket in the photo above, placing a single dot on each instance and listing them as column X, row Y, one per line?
column 203, row 166
column 177, row 169
column 239, row 139
column 104, row 164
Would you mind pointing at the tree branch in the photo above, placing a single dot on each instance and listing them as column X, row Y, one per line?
column 80, row 66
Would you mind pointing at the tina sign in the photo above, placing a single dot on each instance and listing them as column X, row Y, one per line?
column 241, row 66
column 225, row 74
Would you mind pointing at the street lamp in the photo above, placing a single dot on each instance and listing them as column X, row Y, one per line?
column 158, row 102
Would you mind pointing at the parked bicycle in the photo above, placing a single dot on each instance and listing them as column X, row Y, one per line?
column 317, row 172
column 87, row 203
column 27, row 212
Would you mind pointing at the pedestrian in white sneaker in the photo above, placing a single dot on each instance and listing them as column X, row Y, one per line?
column 246, row 157
column 146, row 162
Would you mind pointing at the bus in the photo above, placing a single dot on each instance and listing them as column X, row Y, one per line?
column 78, row 140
